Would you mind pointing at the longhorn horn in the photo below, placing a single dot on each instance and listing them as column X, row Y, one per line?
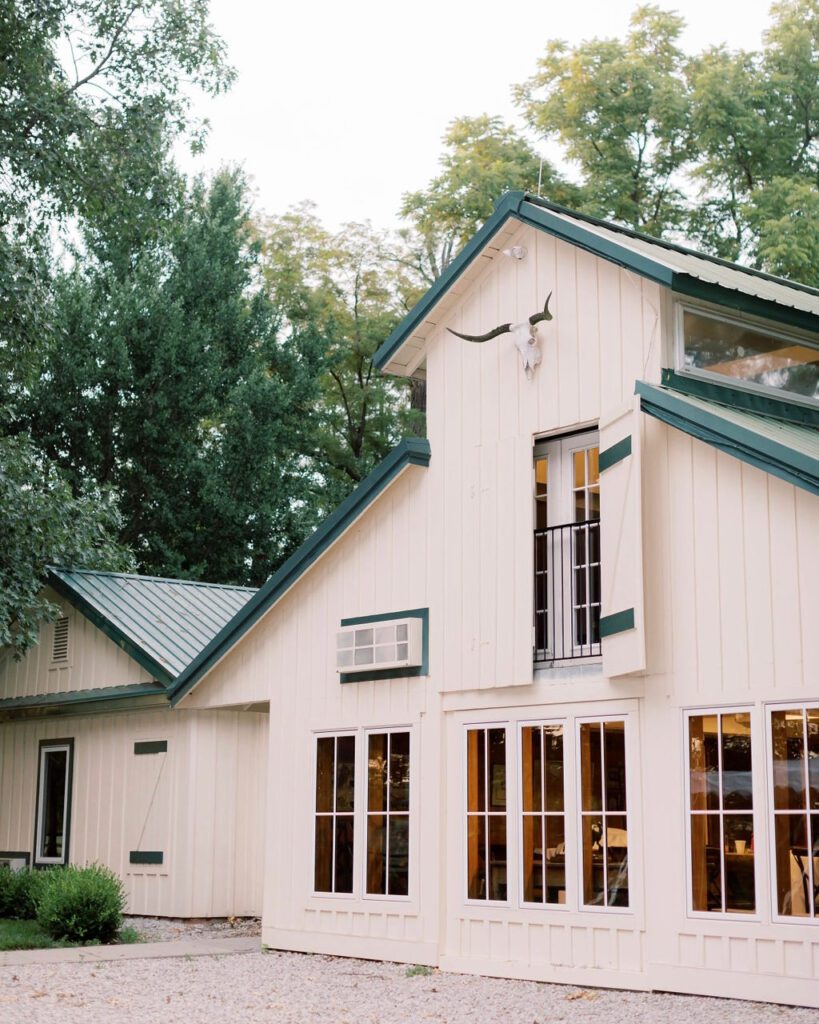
column 536, row 318
column 502, row 329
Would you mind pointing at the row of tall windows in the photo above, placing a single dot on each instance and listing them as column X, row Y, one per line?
column 722, row 816
column 571, row 813
column 547, row 839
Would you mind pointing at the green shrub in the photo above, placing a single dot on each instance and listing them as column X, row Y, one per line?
column 81, row 904
column 19, row 891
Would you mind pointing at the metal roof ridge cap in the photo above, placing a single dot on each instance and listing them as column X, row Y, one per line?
column 409, row 451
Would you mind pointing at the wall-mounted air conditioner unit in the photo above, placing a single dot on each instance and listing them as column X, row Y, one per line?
column 15, row 861
column 396, row 643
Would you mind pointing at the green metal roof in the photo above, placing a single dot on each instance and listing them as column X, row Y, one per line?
column 787, row 450
column 679, row 268
column 414, row 451
column 79, row 700
column 161, row 623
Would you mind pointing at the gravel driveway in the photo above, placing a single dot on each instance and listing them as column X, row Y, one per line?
column 290, row 988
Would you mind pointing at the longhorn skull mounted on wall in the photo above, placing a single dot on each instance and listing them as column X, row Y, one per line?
column 523, row 334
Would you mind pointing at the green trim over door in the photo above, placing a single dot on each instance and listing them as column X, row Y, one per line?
column 392, row 673
column 617, row 622
column 145, row 857
column 616, row 453
column 151, row 747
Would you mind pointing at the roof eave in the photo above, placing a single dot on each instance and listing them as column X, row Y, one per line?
column 772, row 457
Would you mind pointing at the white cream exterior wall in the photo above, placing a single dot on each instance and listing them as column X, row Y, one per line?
column 483, row 415
column 94, row 661
column 732, row 578
column 205, row 813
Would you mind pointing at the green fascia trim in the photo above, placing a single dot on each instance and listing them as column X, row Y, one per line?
column 738, row 398
column 151, row 747
column 770, row 456
column 548, row 217
column 145, row 857
column 695, row 288
column 617, row 622
column 412, row 451
column 392, row 673
column 512, row 205
column 74, row 697
column 616, row 453
column 114, row 633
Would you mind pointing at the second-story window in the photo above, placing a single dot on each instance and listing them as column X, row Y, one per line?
column 567, row 548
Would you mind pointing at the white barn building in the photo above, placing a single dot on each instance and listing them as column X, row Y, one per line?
column 543, row 692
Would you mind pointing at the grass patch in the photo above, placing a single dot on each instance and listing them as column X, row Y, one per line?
column 419, row 971
column 29, row 935
column 24, row 935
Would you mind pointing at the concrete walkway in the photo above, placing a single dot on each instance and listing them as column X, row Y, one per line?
column 133, row 951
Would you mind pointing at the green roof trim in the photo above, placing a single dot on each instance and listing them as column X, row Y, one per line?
column 785, row 450
column 549, row 217
column 414, row 451
column 72, row 698
column 738, row 398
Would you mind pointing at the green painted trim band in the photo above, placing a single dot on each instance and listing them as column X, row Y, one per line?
column 145, row 857
column 370, row 675
column 771, row 457
column 412, row 451
column 616, row 453
column 124, row 642
column 548, row 217
column 617, row 622
column 693, row 287
column 745, row 401
column 151, row 747
column 106, row 693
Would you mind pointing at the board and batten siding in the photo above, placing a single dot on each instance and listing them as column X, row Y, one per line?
column 201, row 803
column 484, row 415
column 380, row 565
column 94, row 661
column 732, row 593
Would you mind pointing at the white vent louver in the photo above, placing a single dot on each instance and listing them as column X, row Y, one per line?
column 394, row 644
column 59, row 646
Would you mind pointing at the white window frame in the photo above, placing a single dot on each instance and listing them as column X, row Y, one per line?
column 570, row 859
column 800, row 705
column 380, row 731
column 559, row 451
column 625, row 718
column 335, row 734
column 762, row 326
column 46, row 748
column 511, row 806
column 721, row 915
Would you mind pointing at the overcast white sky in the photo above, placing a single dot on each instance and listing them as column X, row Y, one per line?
column 345, row 103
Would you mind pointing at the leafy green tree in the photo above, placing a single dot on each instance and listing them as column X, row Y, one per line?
column 482, row 159
column 92, row 93
column 621, row 111
column 344, row 287
column 42, row 523
column 168, row 378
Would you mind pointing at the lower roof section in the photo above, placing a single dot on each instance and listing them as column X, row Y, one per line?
column 787, row 450
column 105, row 698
